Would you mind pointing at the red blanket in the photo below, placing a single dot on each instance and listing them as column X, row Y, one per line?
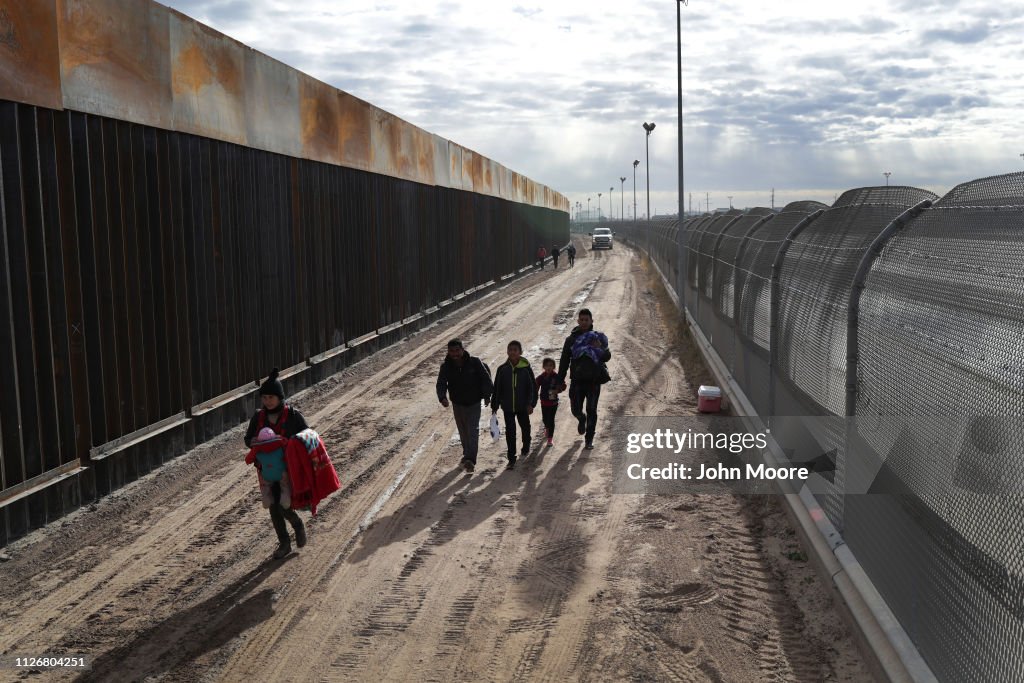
column 310, row 470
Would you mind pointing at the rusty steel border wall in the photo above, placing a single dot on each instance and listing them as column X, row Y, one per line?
column 154, row 267
column 145, row 63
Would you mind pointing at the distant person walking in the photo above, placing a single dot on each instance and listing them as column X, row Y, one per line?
column 268, row 433
column 467, row 381
column 585, row 353
column 548, row 388
column 515, row 391
column 541, row 255
column 555, row 251
column 571, row 250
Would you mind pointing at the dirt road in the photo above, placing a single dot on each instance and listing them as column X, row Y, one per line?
column 416, row 571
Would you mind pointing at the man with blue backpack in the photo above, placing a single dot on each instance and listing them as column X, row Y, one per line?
column 584, row 355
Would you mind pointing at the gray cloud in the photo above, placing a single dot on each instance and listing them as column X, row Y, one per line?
column 810, row 26
column 962, row 36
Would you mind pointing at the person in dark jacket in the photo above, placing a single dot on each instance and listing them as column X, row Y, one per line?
column 555, row 252
column 583, row 390
column 466, row 380
column 515, row 390
column 571, row 250
column 286, row 421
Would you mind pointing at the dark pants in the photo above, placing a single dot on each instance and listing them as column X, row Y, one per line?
column 279, row 514
column 510, row 430
column 467, row 419
column 548, row 413
column 590, row 393
column 554, row 261
column 540, row 262
column 572, row 260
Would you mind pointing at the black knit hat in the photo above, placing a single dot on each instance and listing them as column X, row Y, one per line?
column 273, row 386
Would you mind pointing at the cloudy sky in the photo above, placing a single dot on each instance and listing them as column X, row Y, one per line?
column 809, row 98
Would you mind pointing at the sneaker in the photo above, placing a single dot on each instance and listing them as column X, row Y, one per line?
column 464, row 463
column 511, row 462
column 469, row 466
column 549, row 443
column 282, row 551
column 300, row 534
column 588, row 446
column 581, row 427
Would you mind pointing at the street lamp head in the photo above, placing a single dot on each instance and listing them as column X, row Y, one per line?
column 623, row 178
column 636, row 162
column 649, row 127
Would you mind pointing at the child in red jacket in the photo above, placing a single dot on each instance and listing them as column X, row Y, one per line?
column 548, row 388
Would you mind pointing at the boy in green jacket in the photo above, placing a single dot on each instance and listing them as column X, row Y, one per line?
column 515, row 390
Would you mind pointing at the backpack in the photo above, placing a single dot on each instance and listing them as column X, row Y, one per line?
column 586, row 369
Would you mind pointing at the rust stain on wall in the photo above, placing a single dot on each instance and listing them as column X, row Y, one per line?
column 206, row 60
column 191, row 71
column 477, row 173
column 354, row 121
column 115, row 59
column 319, row 118
column 29, row 65
column 455, row 179
column 423, row 154
column 206, row 81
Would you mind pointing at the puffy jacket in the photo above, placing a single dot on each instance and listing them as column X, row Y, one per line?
column 563, row 364
column 466, row 384
column 515, row 389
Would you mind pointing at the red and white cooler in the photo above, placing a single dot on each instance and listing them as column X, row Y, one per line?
column 709, row 399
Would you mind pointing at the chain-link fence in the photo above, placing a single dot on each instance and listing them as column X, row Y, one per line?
column 906, row 311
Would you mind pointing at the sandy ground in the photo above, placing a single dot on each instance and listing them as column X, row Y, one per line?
column 416, row 571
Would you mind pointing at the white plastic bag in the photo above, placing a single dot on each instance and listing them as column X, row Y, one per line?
column 495, row 429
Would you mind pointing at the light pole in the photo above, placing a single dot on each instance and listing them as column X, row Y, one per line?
column 622, row 194
column 611, row 209
column 598, row 206
column 636, row 162
column 730, row 201
column 681, row 252
column 588, row 208
column 647, row 150
column 887, row 174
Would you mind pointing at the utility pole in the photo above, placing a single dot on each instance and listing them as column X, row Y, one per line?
column 773, row 199
column 636, row 162
column 707, row 201
column 622, row 195
column 647, row 142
